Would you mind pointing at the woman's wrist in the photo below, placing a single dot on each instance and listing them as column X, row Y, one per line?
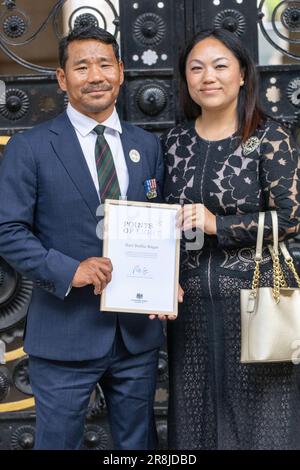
column 210, row 228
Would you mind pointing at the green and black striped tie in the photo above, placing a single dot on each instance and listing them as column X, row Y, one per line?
column 107, row 175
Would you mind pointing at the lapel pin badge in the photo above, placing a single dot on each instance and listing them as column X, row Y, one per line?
column 150, row 188
column 134, row 156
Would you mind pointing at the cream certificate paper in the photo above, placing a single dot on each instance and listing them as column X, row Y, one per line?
column 142, row 241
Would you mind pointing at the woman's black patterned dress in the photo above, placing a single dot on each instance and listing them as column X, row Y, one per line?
column 215, row 401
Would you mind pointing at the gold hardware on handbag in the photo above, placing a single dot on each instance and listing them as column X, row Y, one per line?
column 270, row 316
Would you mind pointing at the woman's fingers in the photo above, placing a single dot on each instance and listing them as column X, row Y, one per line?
column 161, row 317
column 191, row 216
column 180, row 294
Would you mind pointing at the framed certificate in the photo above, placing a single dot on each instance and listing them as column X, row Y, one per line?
column 142, row 241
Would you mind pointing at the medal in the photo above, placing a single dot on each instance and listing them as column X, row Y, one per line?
column 150, row 188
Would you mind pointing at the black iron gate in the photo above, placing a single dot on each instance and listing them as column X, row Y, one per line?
column 151, row 33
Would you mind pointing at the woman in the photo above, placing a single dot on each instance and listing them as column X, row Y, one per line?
column 228, row 163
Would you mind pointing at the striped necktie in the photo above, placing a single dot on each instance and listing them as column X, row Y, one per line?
column 107, row 175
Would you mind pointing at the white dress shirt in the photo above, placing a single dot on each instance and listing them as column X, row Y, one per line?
column 84, row 126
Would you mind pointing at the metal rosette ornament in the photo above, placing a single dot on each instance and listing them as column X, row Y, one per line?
column 285, row 22
column 15, row 294
column 103, row 15
column 149, row 29
column 14, row 24
column 16, row 104
column 293, row 92
column 17, row 30
column 151, row 99
column 4, row 383
column 95, row 437
column 21, row 376
column 23, row 438
column 232, row 20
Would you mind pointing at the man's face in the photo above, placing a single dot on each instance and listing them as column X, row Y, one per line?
column 92, row 78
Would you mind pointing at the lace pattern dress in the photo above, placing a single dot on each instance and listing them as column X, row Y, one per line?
column 215, row 401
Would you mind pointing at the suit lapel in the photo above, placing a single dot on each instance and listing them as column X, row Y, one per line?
column 68, row 150
column 135, row 169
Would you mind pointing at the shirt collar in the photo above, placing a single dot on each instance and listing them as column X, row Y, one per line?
column 84, row 124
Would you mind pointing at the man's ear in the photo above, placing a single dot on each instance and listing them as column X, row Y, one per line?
column 61, row 78
column 121, row 68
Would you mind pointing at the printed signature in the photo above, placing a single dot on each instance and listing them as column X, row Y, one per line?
column 139, row 271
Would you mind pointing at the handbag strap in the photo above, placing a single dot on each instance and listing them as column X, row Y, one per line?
column 275, row 232
column 285, row 251
column 278, row 279
column 275, row 254
column 260, row 236
column 278, row 276
column 289, row 261
column 258, row 253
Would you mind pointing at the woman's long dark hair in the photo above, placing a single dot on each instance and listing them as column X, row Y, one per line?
column 250, row 115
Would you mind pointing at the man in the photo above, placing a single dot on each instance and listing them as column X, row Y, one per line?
column 52, row 181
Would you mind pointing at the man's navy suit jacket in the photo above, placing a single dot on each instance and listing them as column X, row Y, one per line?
column 48, row 205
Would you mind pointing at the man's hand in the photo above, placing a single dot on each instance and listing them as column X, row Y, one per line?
column 95, row 271
column 170, row 317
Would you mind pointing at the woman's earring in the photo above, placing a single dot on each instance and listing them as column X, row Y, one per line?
column 242, row 83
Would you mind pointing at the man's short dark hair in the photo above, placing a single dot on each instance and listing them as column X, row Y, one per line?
column 87, row 32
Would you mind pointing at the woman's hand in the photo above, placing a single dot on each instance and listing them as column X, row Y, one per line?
column 197, row 216
column 170, row 317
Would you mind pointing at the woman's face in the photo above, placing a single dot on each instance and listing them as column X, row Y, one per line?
column 213, row 75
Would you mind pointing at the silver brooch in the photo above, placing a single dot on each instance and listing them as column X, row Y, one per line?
column 250, row 145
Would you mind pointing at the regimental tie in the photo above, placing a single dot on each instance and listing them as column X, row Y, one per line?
column 106, row 170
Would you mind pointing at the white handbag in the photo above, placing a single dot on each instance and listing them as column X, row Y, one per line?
column 270, row 316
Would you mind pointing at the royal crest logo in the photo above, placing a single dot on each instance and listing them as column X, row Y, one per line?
column 139, row 296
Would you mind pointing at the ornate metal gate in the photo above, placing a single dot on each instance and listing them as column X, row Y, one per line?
column 151, row 33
